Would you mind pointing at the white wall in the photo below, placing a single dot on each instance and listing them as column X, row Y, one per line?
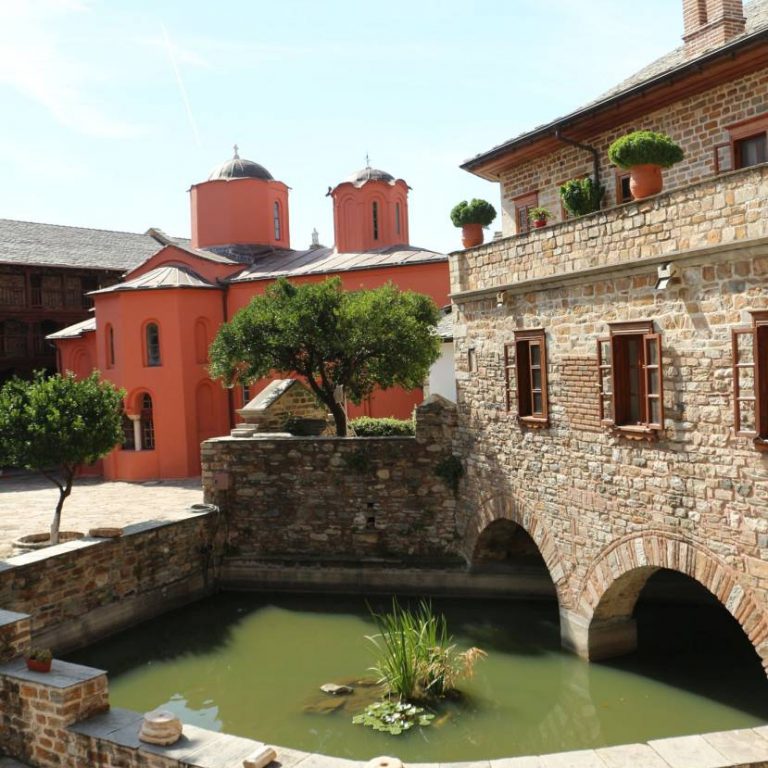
column 442, row 376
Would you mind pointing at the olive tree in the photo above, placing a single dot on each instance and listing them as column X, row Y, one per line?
column 332, row 338
column 53, row 424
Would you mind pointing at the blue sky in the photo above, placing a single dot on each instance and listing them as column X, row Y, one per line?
column 110, row 109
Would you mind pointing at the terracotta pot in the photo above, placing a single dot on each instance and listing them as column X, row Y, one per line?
column 35, row 665
column 472, row 235
column 645, row 180
column 539, row 223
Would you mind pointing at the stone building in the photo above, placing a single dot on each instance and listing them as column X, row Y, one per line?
column 612, row 369
column 46, row 272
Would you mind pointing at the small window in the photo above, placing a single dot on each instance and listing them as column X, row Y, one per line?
column 147, row 423
column 748, row 144
column 129, row 434
column 110, row 347
column 750, row 380
column 471, row 359
column 623, row 192
column 397, row 218
column 751, row 151
column 153, row 344
column 276, row 219
column 375, row 213
column 246, row 392
column 530, row 368
column 523, row 207
column 630, row 379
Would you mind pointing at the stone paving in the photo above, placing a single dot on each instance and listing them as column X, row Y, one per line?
column 27, row 504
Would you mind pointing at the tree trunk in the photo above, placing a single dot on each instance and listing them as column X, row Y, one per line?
column 64, row 491
column 340, row 417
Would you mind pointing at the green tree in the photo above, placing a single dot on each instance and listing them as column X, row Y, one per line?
column 54, row 424
column 358, row 340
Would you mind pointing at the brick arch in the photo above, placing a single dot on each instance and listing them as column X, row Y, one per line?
column 502, row 507
column 613, row 583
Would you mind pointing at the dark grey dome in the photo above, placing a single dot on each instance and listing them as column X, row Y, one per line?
column 237, row 168
column 369, row 174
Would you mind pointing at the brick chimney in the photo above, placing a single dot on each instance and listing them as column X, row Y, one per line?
column 709, row 24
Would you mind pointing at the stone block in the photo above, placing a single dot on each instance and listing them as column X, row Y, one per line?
column 689, row 752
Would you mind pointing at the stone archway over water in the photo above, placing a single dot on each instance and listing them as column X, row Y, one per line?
column 602, row 626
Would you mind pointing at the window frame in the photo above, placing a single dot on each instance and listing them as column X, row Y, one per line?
column 524, row 203
column 619, row 175
column 149, row 362
column 750, row 128
column 525, row 392
column 375, row 228
column 613, row 368
column 759, row 366
column 110, row 345
column 277, row 228
column 147, row 422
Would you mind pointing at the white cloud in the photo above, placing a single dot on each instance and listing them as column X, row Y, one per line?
column 32, row 62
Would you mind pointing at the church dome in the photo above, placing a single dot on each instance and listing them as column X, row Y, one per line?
column 237, row 168
column 369, row 174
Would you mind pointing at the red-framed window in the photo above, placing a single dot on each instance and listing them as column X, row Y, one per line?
column 526, row 360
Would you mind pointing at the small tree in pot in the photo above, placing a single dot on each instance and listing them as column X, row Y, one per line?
column 472, row 216
column 644, row 154
column 582, row 196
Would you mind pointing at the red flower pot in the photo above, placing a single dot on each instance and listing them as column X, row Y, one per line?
column 472, row 235
column 645, row 180
column 539, row 223
column 35, row 665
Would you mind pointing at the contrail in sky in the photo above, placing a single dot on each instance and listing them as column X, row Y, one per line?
column 180, row 82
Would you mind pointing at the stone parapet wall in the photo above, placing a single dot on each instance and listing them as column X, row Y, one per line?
column 718, row 212
column 82, row 590
column 698, row 123
column 333, row 497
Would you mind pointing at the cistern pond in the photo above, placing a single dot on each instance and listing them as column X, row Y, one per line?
column 252, row 666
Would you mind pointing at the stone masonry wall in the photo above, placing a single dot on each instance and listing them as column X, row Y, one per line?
column 697, row 123
column 696, row 500
column 725, row 210
column 338, row 498
column 81, row 590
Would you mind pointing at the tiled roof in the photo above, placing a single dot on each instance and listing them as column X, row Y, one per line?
column 75, row 331
column 318, row 261
column 445, row 325
column 27, row 242
column 166, row 276
column 756, row 13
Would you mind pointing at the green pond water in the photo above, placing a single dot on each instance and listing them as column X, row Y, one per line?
column 252, row 665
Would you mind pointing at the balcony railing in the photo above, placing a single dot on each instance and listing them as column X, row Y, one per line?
column 717, row 212
column 12, row 297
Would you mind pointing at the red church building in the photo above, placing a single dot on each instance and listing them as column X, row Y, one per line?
column 150, row 333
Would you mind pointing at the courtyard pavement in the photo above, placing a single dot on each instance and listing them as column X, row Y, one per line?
column 27, row 503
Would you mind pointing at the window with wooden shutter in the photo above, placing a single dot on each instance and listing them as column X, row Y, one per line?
column 531, row 369
column 509, row 364
column 750, row 380
column 630, row 379
column 523, row 207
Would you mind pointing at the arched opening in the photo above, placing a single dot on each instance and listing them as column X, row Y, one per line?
column 146, row 422
column 685, row 638
column 201, row 341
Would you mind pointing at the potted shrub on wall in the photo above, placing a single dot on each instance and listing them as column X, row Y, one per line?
column 582, row 196
column 644, row 154
column 539, row 216
column 472, row 216
column 39, row 660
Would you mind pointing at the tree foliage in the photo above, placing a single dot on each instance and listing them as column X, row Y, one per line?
column 473, row 212
column 643, row 147
column 53, row 424
column 358, row 340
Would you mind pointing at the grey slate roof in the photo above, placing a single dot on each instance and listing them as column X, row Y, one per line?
column 358, row 178
column 756, row 14
column 33, row 243
column 445, row 325
column 240, row 169
column 317, row 261
column 75, row 331
column 166, row 276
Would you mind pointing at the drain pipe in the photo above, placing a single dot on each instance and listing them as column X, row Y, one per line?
column 595, row 156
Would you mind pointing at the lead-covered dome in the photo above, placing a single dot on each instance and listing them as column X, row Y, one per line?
column 237, row 168
column 369, row 174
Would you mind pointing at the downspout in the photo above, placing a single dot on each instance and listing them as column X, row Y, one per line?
column 586, row 148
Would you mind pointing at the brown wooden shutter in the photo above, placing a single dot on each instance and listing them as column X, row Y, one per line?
column 605, row 380
column 744, row 398
column 654, row 385
column 508, row 363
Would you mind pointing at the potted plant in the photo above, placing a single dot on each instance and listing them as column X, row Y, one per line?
column 539, row 216
column 581, row 196
column 39, row 659
column 472, row 216
column 644, row 154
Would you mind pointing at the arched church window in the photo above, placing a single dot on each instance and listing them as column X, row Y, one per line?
column 375, row 212
column 153, row 344
column 110, row 346
column 147, row 423
column 276, row 218
column 397, row 218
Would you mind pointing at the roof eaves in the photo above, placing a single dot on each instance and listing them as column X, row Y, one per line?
column 730, row 49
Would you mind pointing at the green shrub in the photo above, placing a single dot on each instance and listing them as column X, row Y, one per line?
column 643, row 147
column 366, row 426
column 539, row 213
column 450, row 471
column 582, row 196
column 473, row 212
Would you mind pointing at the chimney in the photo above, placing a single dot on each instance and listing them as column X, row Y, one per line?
column 709, row 24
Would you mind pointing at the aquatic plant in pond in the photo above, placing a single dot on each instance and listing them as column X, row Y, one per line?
column 393, row 717
column 417, row 658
